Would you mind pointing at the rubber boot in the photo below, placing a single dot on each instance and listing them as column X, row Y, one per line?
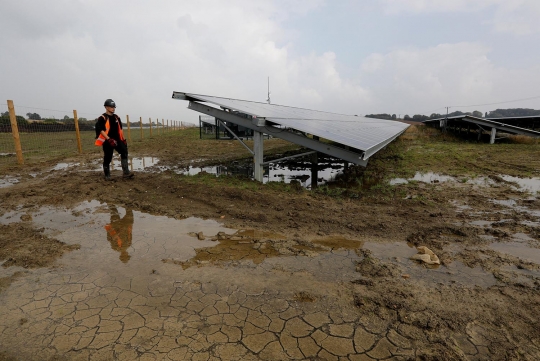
column 125, row 169
column 107, row 172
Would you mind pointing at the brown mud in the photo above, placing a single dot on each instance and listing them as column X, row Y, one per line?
column 479, row 304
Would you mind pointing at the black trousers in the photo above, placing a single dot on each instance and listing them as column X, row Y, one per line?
column 108, row 152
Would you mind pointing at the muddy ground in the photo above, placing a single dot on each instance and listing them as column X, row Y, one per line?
column 481, row 303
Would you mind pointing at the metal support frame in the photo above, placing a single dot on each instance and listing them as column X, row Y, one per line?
column 258, row 155
column 492, row 137
column 314, row 170
column 235, row 136
column 289, row 157
column 330, row 149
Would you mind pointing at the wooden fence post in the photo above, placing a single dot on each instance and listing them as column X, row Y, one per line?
column 150, row 119
column 168, row 129
column 77, row 132
column 15, row 132
column 129, row 128
column 140, row 122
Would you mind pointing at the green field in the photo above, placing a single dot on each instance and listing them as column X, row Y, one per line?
column 44, row 146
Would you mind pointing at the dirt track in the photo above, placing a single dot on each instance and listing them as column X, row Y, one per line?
column 320, row 275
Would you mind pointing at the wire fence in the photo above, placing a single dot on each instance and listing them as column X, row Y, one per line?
column 43, row 134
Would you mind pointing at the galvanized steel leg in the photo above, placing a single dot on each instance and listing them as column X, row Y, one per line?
column 493, row 133
column 258, row 151
column 314, row 170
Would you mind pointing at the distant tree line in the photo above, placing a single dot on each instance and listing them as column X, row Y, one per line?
column 499, row 113
column 517, row 112
column 44, row 124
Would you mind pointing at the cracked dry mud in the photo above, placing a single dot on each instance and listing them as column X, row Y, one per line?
column 212, row 272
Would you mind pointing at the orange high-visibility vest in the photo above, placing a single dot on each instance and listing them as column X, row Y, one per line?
column 114, row 235
column 101, row 139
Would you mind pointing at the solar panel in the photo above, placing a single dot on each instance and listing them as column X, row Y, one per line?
column 366, row 134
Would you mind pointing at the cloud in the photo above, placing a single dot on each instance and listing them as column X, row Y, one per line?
column 421, row 80
column 76, row 54
column 518, row 17
column 419, row 6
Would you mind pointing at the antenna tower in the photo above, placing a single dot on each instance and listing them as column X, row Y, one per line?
column 268, row 100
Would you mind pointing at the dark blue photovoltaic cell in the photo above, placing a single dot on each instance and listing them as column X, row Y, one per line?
column 366, row 134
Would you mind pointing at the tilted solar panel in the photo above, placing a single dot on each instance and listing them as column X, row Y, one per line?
column 366, row 134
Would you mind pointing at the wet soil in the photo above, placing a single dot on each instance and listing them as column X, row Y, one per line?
column 481, row 303
column 24, row 246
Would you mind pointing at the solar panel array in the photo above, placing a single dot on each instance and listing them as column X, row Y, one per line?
column 366, row 134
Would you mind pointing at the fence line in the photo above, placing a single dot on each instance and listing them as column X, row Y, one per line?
column 34, row 139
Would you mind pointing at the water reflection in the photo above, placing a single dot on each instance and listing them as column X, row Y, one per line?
column 284, row 171
column 120, row 232
column 525, row 184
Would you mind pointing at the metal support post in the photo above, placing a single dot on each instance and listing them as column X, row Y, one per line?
column 493, row 133
column 258, row 152
column 314, row 170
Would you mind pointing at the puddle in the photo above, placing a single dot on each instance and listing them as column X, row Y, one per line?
column 530, row 223
column 487, row 237
column 518, row 249
column 512, row 204
column 522, row 237
column 460, row 207
column 275, row 172
column 338, row 243
column 531, row 185
column 136, row 164
column 481, row 181
column 456, row 272
column 64, row 166
column 521, row 275
column 428, row 177
column 431, row 177
column 481, row 223
column 8, row 181
column 397, row 181
column 505, row 202
column 139, row 238
column 123, row 240
column 286, row 171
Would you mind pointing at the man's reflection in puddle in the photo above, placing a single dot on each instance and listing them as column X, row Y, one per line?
column 119, row 232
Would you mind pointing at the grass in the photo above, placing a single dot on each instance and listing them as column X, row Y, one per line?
column 420, row 149
column 46, row 146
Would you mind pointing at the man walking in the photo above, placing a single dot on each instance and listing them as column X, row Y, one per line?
column 111, row 137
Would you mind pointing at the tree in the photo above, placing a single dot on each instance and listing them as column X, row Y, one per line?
column 379, row 116
column 406, row 117
column 477, row 114
column 394, row 117
column 5, row 120
column 516, row 112
column 33, row 116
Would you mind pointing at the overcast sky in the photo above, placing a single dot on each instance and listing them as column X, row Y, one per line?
column 344, row 56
